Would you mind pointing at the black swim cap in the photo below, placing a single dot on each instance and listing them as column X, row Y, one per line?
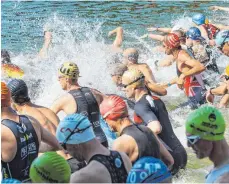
column 19, row 91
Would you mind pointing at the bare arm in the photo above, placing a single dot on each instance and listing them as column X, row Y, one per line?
column 164, row 30
column 219, row 8
column 156, row 37
column 47, row 41
column 221, row 90
column 119, row 36
column 221, row 26
column 156, row 88
column 168, row 61
column 155, row 126
column 58, row 105
column 203, row 32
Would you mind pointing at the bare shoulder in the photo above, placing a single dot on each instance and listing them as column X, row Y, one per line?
column 88, row 174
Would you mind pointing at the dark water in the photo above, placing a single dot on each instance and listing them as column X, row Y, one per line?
column 22, row 22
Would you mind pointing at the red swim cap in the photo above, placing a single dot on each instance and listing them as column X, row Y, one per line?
column 113, row 108
column 172, row 40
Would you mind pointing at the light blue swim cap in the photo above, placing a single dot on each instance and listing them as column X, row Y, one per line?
column 10, row 180
column 222, row 37
column 79, row 126
column 148, row 170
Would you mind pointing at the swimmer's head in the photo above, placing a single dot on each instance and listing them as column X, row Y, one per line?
column 74, row 132
column 181, row 34
column 222, row 41
column 117, row 71
column 205, row 127
column 68, row 75
column 5, row 57
column 171, row 42
column 130, row 56
column 132, row 79
column 5, row 95
column 199, row 19
column 113, row 109
column 19, row 92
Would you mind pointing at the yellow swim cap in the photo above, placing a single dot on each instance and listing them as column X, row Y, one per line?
column 133, row 77
column 70, row 70
column 206, row 21
column 227, row 70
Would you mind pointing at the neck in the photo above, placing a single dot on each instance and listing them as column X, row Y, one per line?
column 22, row 108
column 220, row 153
column 92, row 148
column 125, row 122
column 175, row 52
column 6, row 111
column 139, row 93
column 73, row 86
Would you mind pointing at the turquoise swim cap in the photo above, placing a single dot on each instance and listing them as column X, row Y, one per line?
column 222, row 37
column 78, row 126
column 10, row 180
column 148, row 170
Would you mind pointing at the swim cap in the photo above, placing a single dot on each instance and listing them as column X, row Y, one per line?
column 118, row 69
column 113, row 108
column 133, row 78
column 12, row 71
column 207, row 122
column 70, row 70
column 172, row 40
column 194, row 33
column 78, row 125
column 5, row 57
column 227, row 70
column 198, row 19
column 10, row 180
column 50, row 168
column 131, row 54
column 5, row 94
column 222, row 37
column 19, row 91
column 148, row 170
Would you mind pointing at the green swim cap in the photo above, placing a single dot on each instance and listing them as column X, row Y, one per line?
column 207, row 122
column 50, row 168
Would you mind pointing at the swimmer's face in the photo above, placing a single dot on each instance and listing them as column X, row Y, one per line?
column 130, row 92
column 112, row 124
column 75, row 151
column 202, row 148
column 225, row 49
column 117, row 79
column 168, row 50
column 189, row 42
column 63, row 82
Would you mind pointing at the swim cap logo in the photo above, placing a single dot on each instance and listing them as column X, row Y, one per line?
column 212, row 117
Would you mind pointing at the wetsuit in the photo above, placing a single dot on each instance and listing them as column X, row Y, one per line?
column 114, row 165
column 194, row 89
column 88, row 106
column 145, row 139
column 27, row 149
column 214, row 175
column 150, row 108
column 211, row 30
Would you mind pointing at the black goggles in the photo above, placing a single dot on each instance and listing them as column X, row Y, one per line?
column 226, row 77
column 76, row 130
column 136, row 80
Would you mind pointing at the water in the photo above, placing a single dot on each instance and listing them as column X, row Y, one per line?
column 80, row 34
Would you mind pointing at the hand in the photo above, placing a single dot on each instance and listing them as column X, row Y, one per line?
column 209, row 97
column 152, row 29
column 213, row 8
column 110, row 33
column 47, row 36
column 180, row 81
column 144, row 36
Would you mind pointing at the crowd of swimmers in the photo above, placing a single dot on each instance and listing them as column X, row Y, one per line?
column 100, row 140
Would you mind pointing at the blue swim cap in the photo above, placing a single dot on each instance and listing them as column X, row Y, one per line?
column 148, row 170
column 78, row 125
column 198, row 19
column 10, row 180
column 194, row 33
column 222, row 37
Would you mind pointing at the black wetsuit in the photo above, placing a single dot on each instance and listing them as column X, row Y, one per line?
column 27, row 149
column 149, row 109
column 88, row 106
column 114, row 165
column 145, row 139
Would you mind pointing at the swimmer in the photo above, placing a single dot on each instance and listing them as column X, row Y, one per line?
column 151, row 112
column 135, row 140
column 21, row 138
column 205, row 128
column 79, row 99
column 76, row 135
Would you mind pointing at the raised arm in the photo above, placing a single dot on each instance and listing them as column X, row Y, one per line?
column 119, row 36
column 164, row 30
column 46, row 44
column 219, row 8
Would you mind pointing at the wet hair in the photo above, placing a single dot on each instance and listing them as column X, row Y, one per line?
column 5, row 57
column 118, row 69
column 133, row 56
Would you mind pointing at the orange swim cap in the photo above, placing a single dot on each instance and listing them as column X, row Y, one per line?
column 5, row 94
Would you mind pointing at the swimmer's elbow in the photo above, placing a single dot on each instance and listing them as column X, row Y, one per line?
column 202, row 68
